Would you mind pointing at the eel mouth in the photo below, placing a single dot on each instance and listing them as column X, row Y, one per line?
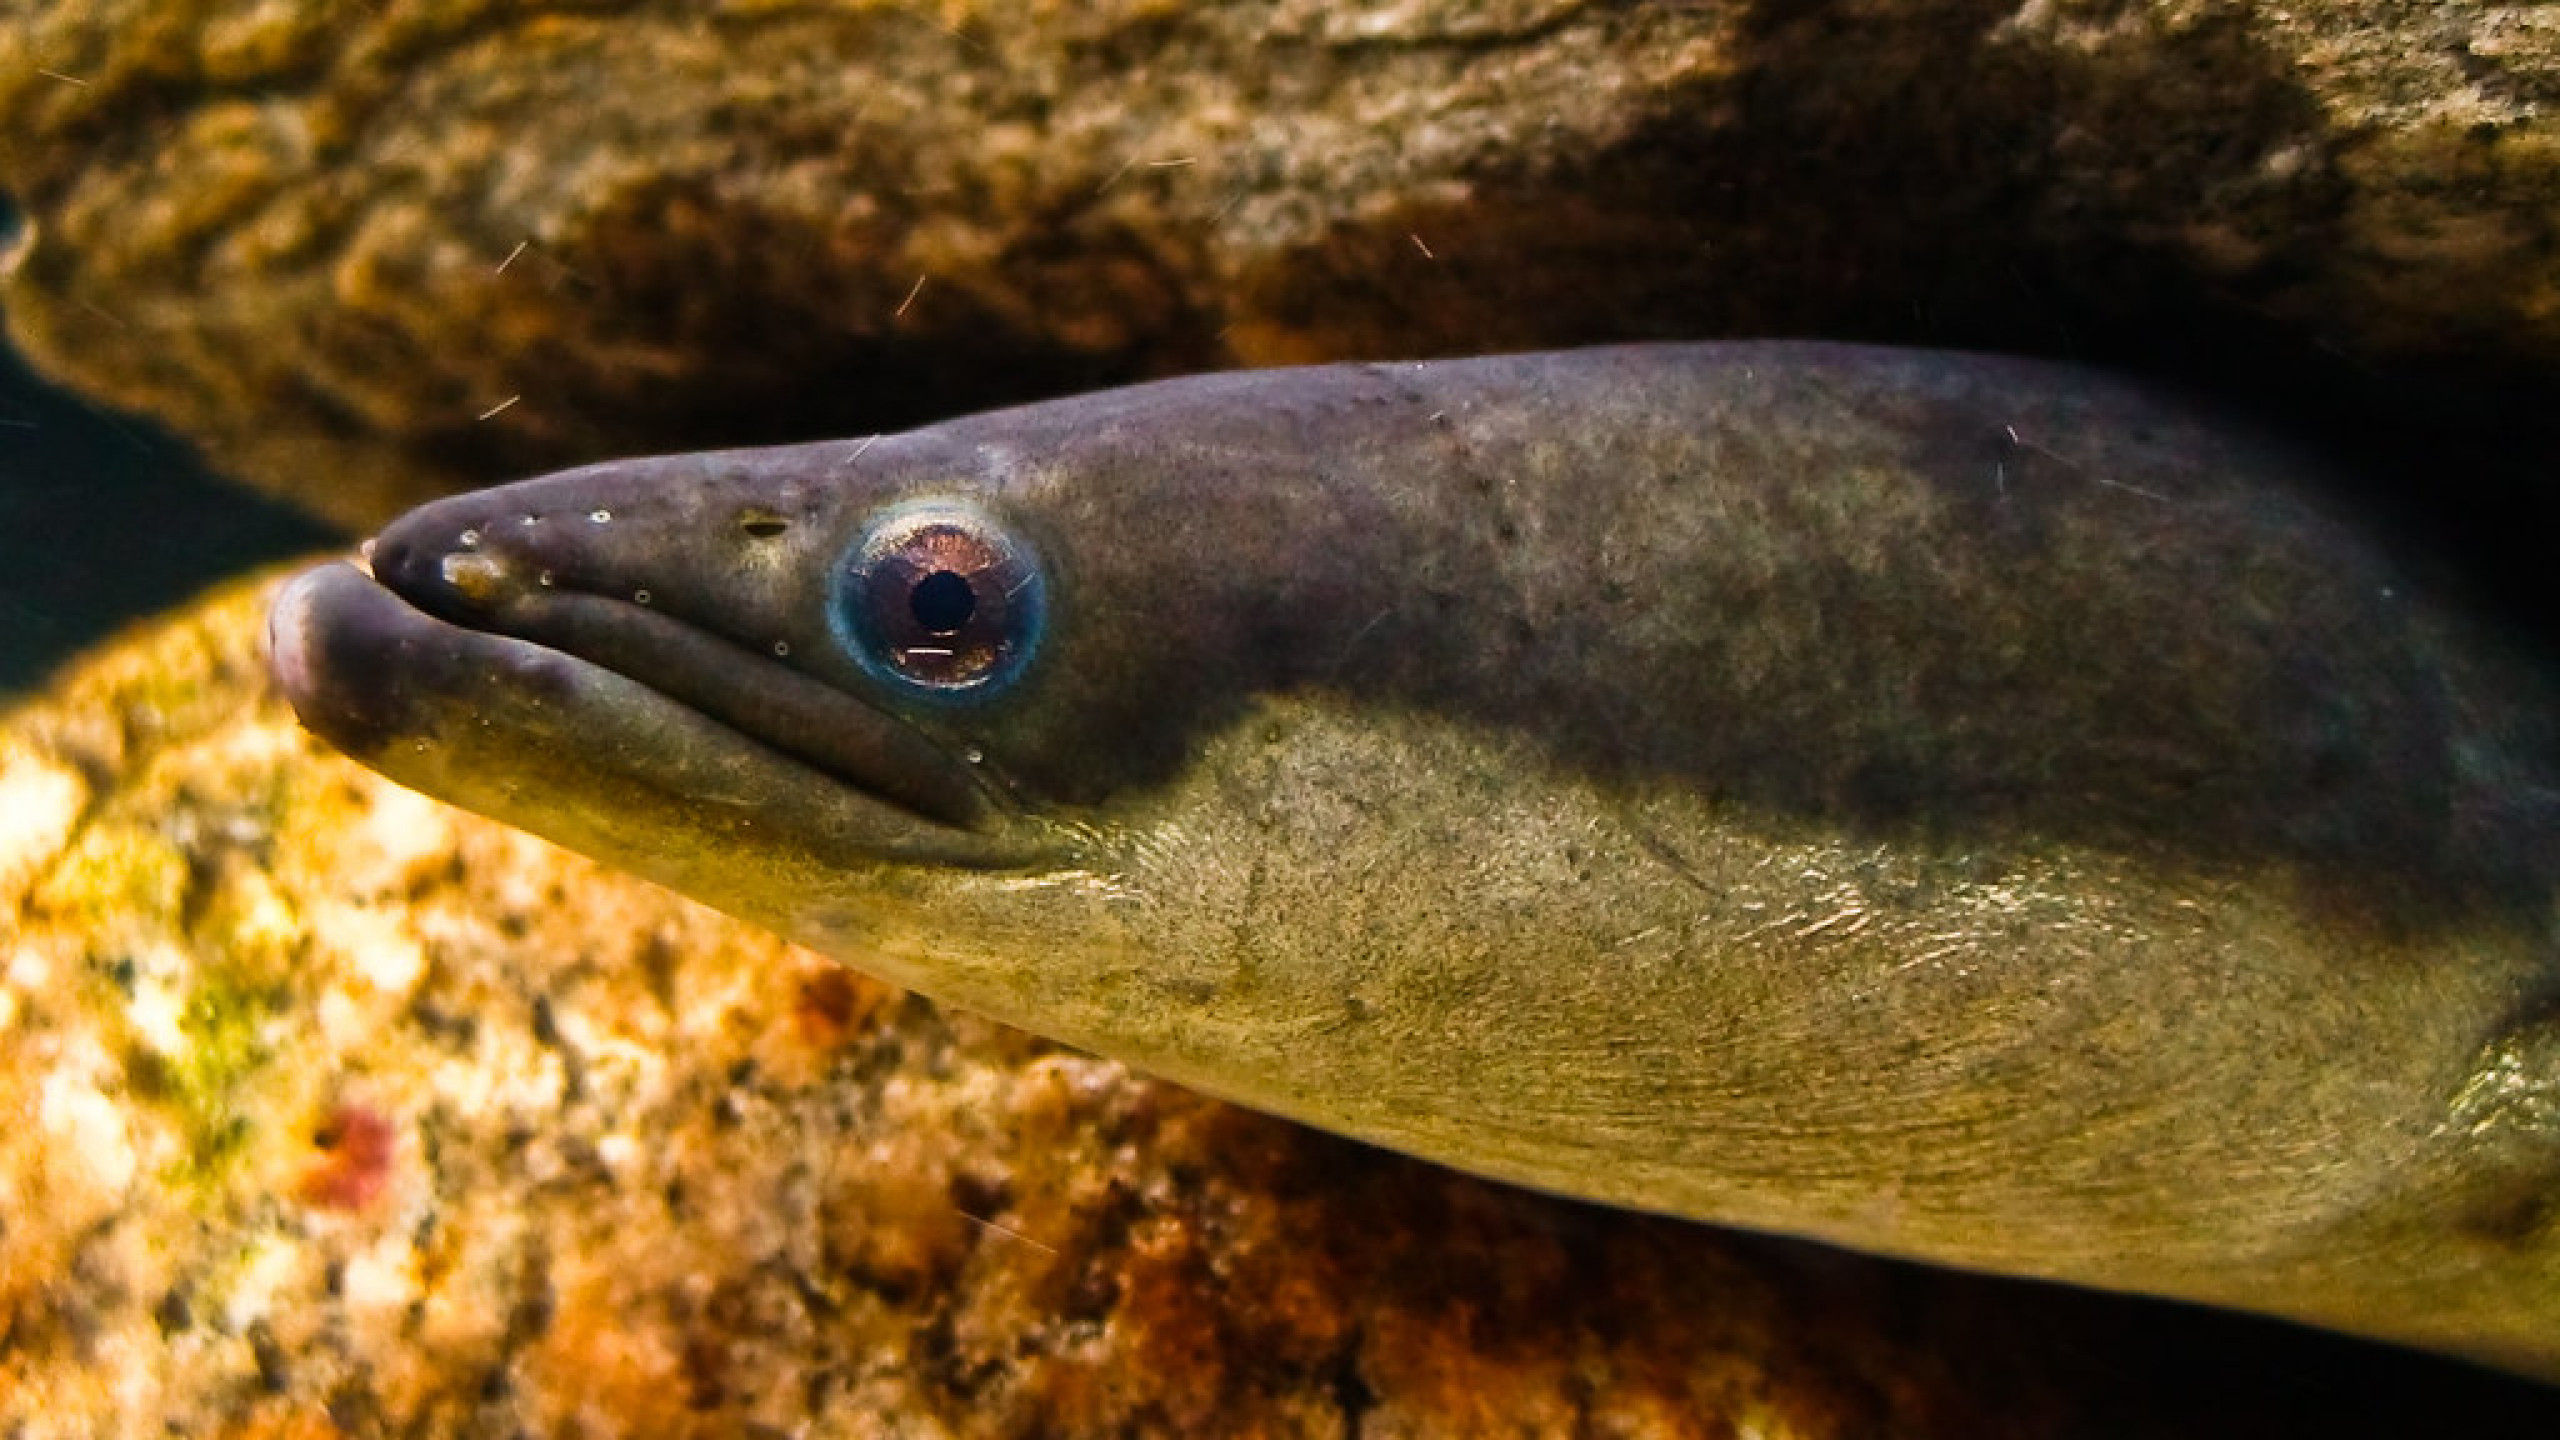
column 616, row 730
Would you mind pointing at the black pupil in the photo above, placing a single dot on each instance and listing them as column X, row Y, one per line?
column 942, row 602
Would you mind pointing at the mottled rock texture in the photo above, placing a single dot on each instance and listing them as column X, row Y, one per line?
column 325, row 1110
column 366, row 251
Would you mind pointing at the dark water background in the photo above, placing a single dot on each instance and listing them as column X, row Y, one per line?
column 105, row 518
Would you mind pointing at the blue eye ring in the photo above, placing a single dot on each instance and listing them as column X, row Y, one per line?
column 939, row 602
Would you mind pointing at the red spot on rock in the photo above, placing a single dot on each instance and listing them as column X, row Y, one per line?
column 357, row 1146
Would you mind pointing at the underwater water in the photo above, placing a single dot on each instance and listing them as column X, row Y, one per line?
column 104, row 519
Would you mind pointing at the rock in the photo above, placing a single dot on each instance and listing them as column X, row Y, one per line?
column 332, row 1110
column 367, row 253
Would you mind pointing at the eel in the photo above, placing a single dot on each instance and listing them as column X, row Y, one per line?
column 1963, row 808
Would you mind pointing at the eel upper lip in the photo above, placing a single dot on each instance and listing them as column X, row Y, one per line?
column 768, row 703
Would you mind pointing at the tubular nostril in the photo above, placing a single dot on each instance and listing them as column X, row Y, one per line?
column 427, row 568
column 387, row 558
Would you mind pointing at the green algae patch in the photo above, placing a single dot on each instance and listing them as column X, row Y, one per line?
column 225, row 1028
column 119, row 873
column 137, row 910
column 207, row 1082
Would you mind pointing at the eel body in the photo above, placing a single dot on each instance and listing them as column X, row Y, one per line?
column 1955, row 807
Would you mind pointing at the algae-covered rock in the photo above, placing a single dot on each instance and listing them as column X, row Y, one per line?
column 325, row 1109
column 367, row 252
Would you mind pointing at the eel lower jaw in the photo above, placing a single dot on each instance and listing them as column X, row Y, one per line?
column 600, row 761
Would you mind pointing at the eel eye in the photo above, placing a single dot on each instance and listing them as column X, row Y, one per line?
column 939, row 601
